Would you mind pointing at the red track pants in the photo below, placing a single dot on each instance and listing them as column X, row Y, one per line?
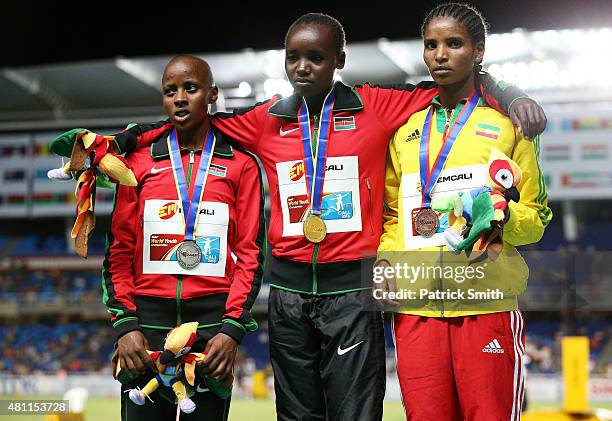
column 461, row 368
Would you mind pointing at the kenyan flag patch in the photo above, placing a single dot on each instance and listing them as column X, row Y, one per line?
column 344, row 123
column 488, row 131
column 217, row 170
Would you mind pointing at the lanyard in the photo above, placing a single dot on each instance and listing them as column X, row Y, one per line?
column 315, row 160
column 430, row 177
column 190, row 206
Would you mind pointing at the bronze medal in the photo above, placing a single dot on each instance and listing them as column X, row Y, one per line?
column 314, row 229
column 188, row 254
column 426, row 222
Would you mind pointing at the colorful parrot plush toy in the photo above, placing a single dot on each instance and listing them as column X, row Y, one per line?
column 174, row 364
column 476, row 218
column 82, row 146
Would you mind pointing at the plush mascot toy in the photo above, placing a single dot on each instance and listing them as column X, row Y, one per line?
column 81, row 145
column 476, row 218
column 175, row 360
column 176, row 364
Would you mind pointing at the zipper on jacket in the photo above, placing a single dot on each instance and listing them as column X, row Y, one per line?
column 315, row 137
column 371, row 213
column 179, row 278
column 191, row 161
column 449, row 115
column 315, row 251
column 315, row 254
column 441, row 281
column 179, row 286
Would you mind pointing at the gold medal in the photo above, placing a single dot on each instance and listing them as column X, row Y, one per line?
column 314, row 229
column 426, row 222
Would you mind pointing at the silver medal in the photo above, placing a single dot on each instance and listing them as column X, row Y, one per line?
column 188, row 254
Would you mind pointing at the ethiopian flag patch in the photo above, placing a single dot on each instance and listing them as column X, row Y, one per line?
column 488, row 131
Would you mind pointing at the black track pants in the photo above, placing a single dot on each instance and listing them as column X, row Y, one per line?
column 328, row 356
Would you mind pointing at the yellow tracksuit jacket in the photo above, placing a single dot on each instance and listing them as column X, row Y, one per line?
column 466, row 168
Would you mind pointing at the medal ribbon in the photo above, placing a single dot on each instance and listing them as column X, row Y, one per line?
column 190, row 208
column 315, row 165
column 430, row 177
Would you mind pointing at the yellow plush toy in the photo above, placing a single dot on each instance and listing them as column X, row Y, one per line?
column 175, row 359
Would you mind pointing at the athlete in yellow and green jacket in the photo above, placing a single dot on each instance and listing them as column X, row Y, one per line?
column 465, row 168
column 458, row 357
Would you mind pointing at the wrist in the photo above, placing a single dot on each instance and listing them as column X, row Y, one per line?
column 516, row 99
column 233, row 329
column 382, row 262
column 125, row 325
column 229, row 338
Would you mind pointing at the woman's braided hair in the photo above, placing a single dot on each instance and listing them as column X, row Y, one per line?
column 466, row 15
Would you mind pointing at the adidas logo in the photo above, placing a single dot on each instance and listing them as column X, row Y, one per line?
column 413, row 136
column 493, row 348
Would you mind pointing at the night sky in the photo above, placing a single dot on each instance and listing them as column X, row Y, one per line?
column 37, row 33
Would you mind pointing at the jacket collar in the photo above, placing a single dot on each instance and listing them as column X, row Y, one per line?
column 435, row 101
column 346, row 100
column 159, row 149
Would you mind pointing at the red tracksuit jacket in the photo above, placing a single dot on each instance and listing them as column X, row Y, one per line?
column 364, row 118
column 136, row 299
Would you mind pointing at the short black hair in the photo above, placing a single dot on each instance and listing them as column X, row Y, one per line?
column 465, row 14
column 203, row 63
column 325, row 20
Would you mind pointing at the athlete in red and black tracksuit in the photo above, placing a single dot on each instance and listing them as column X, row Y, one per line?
column 327, row 353
column 155, row 303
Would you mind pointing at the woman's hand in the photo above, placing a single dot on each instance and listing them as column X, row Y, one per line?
column 528, row 116
column 220, row 354
column 383, row 285
column 133, row 356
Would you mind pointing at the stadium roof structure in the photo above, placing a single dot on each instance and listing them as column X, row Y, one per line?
column 554, row 66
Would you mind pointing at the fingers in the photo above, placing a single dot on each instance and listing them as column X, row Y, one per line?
column 382, row 288
column 133, row 365
column 515, row 120
column 133, row 354
column 219, row 361
column 528, row 117
column 216, row 368
column 532, row 122
column 388, row 304
column 207, row 348
column 222, row 370
column 146, row 360
column 390, row 287
column 543, row 120
column 145, row 357
column 210, row 364
column 537, row 119
column 385, row 287
column 212, row 359
column 519, row 118
column 138, row 362
column 391, row 284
